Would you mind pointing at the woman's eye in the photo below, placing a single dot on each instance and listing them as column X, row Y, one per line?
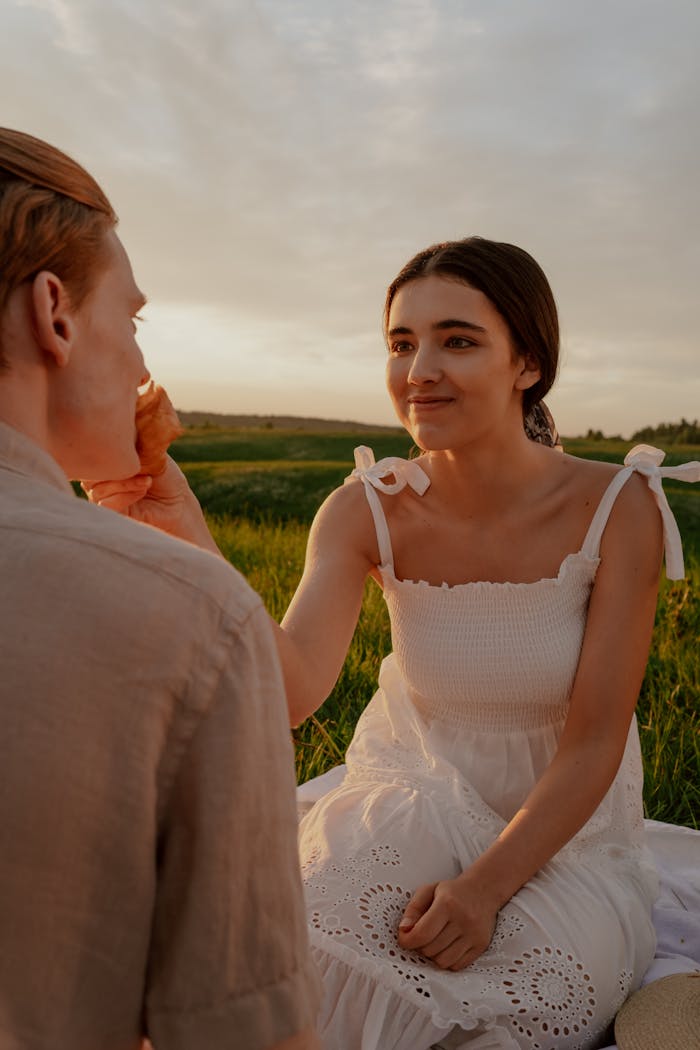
column 400, row 348
column 459, row 342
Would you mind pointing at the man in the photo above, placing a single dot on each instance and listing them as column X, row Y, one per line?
column 148, row 876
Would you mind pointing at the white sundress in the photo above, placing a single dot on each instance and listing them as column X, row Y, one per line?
column 468, row 713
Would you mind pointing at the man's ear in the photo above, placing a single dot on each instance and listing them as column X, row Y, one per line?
column 528, row 374
column 53, row 317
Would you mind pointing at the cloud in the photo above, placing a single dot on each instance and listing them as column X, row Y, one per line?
column 279, row 162
column 69, row 29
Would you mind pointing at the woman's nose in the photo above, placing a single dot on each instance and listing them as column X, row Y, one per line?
column 425, row 366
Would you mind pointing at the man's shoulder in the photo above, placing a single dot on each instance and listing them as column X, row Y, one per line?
column 153, row 552
column 106, row 547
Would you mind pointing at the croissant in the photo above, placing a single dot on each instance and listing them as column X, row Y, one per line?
column 156, row 426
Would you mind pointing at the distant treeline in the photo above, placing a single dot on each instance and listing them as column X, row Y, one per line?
column 224, row 421
column 683, row 433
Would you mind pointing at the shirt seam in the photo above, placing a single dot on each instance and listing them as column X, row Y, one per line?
column 194, row 717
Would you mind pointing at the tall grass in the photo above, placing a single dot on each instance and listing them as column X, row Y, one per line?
column 668, row 715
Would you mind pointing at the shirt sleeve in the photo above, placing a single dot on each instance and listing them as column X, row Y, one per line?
column 229, row 961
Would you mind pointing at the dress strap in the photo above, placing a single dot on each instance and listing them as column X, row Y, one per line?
column 591, row 544
column 646, row 460
column 404, row 471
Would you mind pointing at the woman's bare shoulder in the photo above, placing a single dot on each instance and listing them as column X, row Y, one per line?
column 585, row 480
column 584, row 470
column 345, row 520
column 349, row 500
column 634, row 527
column 635, row 512
column 593, row 476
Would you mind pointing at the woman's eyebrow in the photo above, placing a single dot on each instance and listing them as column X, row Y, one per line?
column 454, row 323
column 449, row 322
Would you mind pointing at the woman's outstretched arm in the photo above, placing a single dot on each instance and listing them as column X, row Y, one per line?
column 452, row 922
column 317, row 629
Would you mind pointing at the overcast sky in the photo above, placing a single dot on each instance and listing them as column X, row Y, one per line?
column 275, row 162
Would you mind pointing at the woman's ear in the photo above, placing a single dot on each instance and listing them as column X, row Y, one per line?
column 53, row 317
column 529, row 373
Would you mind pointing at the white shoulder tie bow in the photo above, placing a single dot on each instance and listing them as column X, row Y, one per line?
column 404, row 471
column 647, row 460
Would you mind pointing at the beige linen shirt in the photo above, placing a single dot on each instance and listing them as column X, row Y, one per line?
column 149, row 882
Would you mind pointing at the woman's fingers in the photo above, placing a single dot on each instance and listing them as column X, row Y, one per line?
column 447, row 925
column 464, row 960
column 415, row 909
column 121, row 501
column 449, row 944
column 456, row 956
column 451, row 949
column 438, row 906
column 117, row 495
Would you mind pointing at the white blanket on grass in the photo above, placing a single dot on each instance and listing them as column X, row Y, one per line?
column 677, row 912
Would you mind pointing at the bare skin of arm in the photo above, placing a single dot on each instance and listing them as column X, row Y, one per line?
column 317, row 628
column 452, row 922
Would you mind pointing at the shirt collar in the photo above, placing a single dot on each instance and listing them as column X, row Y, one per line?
column 20, row 455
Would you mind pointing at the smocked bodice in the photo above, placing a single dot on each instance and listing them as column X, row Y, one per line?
column 491, row 656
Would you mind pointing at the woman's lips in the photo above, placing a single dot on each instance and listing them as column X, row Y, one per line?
column 429, row 404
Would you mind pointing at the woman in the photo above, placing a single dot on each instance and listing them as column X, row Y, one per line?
column 480, row 876
column 521, row 630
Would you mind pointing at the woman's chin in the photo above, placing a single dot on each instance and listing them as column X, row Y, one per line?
column 429, row 439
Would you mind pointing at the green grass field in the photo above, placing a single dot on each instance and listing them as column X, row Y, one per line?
column 260, row 490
